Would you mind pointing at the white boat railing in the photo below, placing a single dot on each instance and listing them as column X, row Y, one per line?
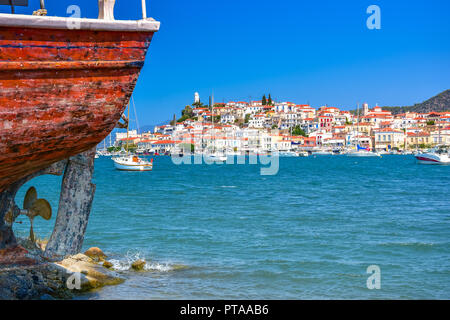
column 105, row 8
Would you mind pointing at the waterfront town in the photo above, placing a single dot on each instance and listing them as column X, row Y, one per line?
column 264, row 126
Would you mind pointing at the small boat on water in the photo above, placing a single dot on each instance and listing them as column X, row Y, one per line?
column 132, row 163
column 362, row 152
column 438, row 155
column 303, row 154
column 322, row 153
column 287, row 154
column 216, row 157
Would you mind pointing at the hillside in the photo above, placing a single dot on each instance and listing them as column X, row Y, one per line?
column 439, row 103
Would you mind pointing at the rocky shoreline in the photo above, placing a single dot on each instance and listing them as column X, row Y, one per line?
column 26, row 274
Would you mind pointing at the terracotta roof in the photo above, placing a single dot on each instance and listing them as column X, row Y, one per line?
column 418, row 134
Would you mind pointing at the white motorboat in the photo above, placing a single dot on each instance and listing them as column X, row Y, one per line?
column 217, row 158
column 287, row 154
column 132, row 163
column 303, row 154
column 438, row 155
column 322, row 153
column 362, row 153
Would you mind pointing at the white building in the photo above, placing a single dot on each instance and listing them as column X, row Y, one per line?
column 257, row 121
column 227, row 118
column 123, row 135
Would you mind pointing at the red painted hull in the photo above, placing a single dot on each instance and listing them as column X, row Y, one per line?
column 62, row 92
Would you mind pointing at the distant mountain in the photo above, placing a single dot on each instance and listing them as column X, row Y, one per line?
column 439, row 103
column 151, row 127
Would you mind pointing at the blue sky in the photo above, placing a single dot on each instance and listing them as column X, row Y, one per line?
column 317, row 52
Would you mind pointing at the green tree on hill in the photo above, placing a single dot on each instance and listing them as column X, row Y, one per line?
column 264, row 100
column 184, row 117
column 198, row 105
column 187, row 111
column 270, row 102
column 174, row 120
column 298, row 131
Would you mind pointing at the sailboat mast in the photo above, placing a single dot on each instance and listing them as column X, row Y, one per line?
column 439, row 134
column 128, row 124
column 135, row 115
column 212, row 123
column 357, row 126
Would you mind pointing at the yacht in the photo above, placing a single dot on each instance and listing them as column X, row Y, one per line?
column 362, row 153
column 437, row 155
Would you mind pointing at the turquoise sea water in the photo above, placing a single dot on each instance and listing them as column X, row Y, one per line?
column 311, row 231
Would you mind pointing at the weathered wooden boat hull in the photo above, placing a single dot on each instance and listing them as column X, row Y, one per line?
column 62, row 92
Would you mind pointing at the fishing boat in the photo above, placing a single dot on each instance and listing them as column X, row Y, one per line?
column 438, row 155
column 64, row 84
column 132, row 163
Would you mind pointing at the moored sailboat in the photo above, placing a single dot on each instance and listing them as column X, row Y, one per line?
column 131, row 162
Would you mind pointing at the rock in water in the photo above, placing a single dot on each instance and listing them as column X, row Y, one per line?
column 24, row 274
column 138, row 265
column 91, row 275
column 107, row 264
column 96, row 254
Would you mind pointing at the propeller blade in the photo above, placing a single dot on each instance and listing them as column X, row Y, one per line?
column 30, row 198
column 42, row 208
